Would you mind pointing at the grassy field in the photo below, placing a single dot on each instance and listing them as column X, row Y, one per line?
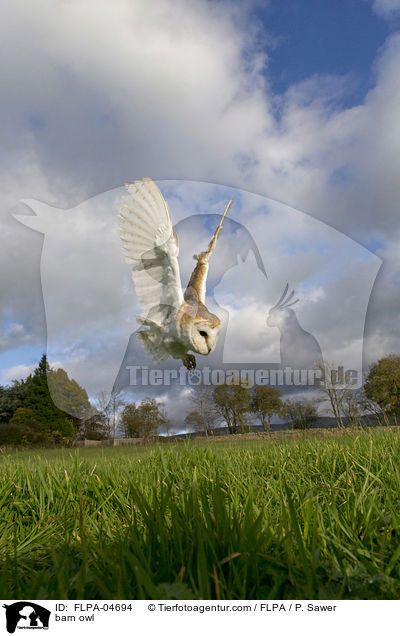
column 294, row 516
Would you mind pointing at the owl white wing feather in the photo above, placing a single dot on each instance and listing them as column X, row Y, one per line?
column 151, row 246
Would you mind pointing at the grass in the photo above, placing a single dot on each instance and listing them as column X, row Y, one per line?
column 303, row 516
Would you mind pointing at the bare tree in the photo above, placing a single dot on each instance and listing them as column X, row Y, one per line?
column 336, row 390
column 352, row 407
column 110, row 407
column 207, row 415
column 166, row 425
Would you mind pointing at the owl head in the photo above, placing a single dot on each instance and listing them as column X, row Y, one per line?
column 204, row 335
column 199, row 328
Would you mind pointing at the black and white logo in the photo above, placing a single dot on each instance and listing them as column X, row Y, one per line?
column 26, row 615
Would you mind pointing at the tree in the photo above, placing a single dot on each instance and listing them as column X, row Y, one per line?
column 383, row 385
column 12, row 398
column 39, row 400
column 232, row 403
column 167, row 425
column 143, row 420
column 28, row 404
column 353, row 407
column 302, row 414
column 94, row 427
column 130, row 421
column 342, row 400
column 205, row 409
column 374, row 411
column 14, row 435
column 68, row 395
column 194, row 421
column 109, row 406
column 265, row 402
column 26, row 429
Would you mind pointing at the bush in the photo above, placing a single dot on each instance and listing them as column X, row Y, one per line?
column 25, row 430
column 13, row 435
column 383, row 385
column 302, row 414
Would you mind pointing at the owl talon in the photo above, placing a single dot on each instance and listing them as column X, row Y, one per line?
column 189, row 361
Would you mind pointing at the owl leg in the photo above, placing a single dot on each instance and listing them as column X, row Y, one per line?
column 189, row 361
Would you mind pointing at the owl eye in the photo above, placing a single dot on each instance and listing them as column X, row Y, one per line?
column 204, row 334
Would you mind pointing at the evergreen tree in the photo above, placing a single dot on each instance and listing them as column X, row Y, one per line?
column 40, row 403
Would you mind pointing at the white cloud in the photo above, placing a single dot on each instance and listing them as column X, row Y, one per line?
column 13, row 334
column 386, row 8
column 17, row 372
column 98, row 93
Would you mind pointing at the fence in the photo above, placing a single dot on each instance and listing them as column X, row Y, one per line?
column 119, row 441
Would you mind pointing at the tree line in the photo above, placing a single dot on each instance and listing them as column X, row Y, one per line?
column 237, row 405
column 28, row 414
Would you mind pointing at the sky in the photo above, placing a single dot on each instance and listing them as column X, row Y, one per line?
column 337, row 37
column 293, row 102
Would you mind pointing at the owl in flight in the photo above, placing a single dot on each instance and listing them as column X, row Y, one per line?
column 174, row 322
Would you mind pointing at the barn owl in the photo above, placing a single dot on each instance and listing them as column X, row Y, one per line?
column 174, row 322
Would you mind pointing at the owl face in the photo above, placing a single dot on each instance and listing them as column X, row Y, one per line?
column 197, row 328
column 204, row 335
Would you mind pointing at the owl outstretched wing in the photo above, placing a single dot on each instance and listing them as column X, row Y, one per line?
column 151, row 246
